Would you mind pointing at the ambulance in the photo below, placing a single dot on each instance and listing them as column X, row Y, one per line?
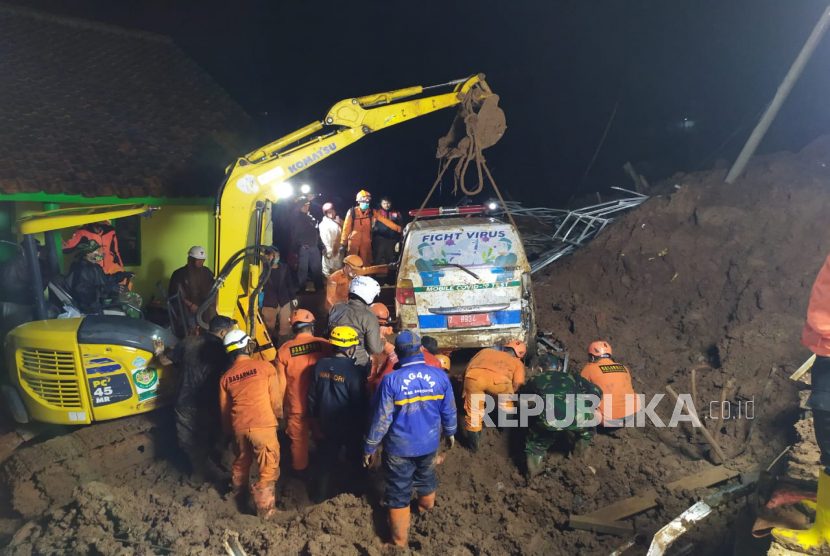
column 464, row 279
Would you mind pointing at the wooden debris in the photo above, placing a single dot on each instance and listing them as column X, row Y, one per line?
column 626, row 508
column 708, row 477
column 706, row 434
column 587, row 523
column 802, row 370
column 607, row 519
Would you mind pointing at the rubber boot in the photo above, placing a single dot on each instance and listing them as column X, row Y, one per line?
column 426, row 502
column 535, row 465
column 473, row 439
column 322, row 488
column 399, row 525
column 581, row 446
column 264, row 500
column 818, row 535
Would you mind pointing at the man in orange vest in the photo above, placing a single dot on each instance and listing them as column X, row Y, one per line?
column 619, row 401
column 491, row 371
column 337, row 289
column 250, row 400
column 816, row 337
column 296, row 360
column 103, row 233
column 357, row 228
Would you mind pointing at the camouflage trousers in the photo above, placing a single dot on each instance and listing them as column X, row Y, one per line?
column 537, row 442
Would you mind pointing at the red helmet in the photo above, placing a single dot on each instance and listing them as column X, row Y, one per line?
column 599, row 349
column 518, row 347
column 381, row 312
column 301, row 315
column 327, row 207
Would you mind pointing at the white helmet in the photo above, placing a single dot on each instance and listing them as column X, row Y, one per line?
column 235, row 340
column 197, row 253
column 365, row 288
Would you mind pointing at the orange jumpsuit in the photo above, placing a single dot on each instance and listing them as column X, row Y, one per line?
column 382, row 363
column 357, row 232
column 337, row 288
column 296, row 360
column 816, row 333
column 492, row 372
column 106, row 239
column 250, row 398
column 615, row 381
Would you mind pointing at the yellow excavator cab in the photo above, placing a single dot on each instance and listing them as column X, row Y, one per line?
column 81, row 369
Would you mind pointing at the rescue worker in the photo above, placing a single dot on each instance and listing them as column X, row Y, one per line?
column 279, row 299
column 104, row 234
column 430, row 349
column 250, row 398
column 330, row 232
column 553, row 386
column 356, row 238
column 88, row 284
column 382, row 362
column 444, row 361
column 193, row 283
column 201, row 361
column 491, row 371
column 386, row 239
column 356, row 314
column 615, row 381
column 816, row 337
column 306, row 236
column 411, row 407
column 337, row 289
column 337, row 403
column 295, row 361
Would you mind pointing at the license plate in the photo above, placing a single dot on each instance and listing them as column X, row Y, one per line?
column 467, row 321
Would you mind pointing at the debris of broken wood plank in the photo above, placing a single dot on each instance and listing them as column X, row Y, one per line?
column 702, row 479
column 724, row 391
column 802, row 370
column 617, row 511
column 697, row 424
column 625, row 508
column 586, row 523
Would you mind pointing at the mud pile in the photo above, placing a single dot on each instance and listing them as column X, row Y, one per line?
column 708, row 276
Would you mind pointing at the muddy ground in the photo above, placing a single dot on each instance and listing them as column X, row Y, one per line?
column 706, row 276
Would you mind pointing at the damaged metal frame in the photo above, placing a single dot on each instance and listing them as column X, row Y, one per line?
column 577, row 227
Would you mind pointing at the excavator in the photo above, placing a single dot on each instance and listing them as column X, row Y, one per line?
column 100, row 367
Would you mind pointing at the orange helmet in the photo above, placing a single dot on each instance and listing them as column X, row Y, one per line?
column 301, row 316
column 518, row 347
column 445, row 361
column 364, row 196
column 353, row 261
column 381, row 312
column 599, row 349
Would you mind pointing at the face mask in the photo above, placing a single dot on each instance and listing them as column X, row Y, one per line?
column 364, row 206
column 96, row 258
column 275, row 262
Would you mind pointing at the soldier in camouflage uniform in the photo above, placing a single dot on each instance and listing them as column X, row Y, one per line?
column 554, row 385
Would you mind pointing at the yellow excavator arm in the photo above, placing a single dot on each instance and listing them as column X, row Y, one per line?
column 254, row 178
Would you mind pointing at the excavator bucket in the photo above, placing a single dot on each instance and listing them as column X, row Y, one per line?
column 479, row 124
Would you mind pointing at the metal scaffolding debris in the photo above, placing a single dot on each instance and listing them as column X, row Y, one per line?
column 573, row 228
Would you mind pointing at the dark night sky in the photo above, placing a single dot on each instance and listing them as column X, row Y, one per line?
column 559, row 67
